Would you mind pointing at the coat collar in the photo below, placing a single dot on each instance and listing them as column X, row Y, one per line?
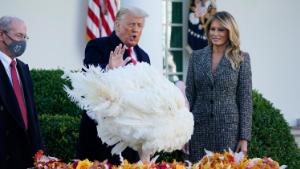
column 224, row 62
column 207, row 63
column 115, row 39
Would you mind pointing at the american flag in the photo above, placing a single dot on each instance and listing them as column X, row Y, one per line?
column 101, row 17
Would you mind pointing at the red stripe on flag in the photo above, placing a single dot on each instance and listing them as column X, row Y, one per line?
column 101, row 21
column 97, row 2
column 105, row 25
column 93, row 17
column 111, row 11
column 90, row 34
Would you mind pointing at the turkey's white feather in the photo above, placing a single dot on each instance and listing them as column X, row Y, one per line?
column 134, row 106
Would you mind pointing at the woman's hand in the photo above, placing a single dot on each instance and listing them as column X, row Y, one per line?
column 242, row 146
column 186, row 148
column 116, row 57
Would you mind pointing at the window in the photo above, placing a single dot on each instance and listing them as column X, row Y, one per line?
column 174, row 33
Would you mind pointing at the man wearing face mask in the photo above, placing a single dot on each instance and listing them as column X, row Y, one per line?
column 119, row 49
column 20, row 135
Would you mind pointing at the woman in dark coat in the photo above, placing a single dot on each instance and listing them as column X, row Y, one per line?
column 219, row 87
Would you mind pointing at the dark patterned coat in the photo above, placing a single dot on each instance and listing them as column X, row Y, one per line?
column 221, row 103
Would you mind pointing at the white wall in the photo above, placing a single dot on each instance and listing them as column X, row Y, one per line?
column 55, row 28
column 270, row 32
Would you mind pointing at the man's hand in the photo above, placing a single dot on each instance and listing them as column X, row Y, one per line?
column 116, row 57
column 242, row 146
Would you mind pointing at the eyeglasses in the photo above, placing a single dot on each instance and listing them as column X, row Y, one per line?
column 19, row 36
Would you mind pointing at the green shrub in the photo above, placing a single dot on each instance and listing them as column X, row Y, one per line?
column 60, row 133
column 170, row 157
column 271, row 134
column 49, row 95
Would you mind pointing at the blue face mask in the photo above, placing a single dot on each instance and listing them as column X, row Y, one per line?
column 16, row 48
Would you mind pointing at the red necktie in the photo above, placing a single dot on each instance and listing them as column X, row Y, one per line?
column 18, row 91
column 131, row 56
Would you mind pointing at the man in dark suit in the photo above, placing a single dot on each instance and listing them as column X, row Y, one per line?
column 20, row 135
column 119, row 49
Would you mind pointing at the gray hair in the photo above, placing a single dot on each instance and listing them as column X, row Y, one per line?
column 5, row 22
column 132, row 10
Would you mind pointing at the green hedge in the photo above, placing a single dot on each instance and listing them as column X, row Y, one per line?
column 59, row 117
column 60, row 120
column 271, row 134
column 49, row 94
column 60, row 133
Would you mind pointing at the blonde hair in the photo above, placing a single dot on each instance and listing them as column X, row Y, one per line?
column 232, row 52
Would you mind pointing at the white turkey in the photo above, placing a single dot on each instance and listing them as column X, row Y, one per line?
column 135, row 106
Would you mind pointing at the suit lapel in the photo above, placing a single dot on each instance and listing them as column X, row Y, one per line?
column 23, row 78
column 223, row 65
column 137, row 52
column 8, row 97
column 25, row 86
column 207, row 64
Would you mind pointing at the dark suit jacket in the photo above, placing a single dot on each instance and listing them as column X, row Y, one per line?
column 17, row 146
column 90, row 146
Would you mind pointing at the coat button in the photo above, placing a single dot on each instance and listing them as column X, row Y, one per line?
column 211, row 88
column 211, row 102
column 1, row 108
